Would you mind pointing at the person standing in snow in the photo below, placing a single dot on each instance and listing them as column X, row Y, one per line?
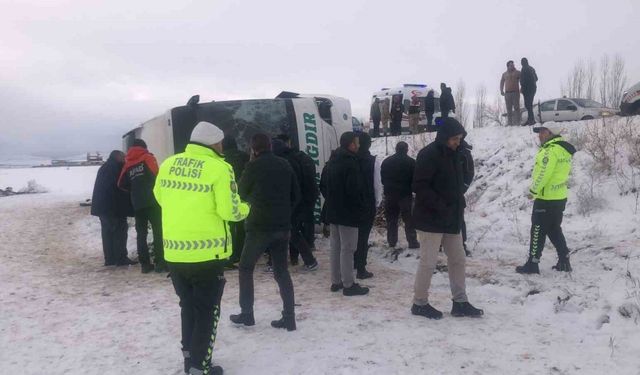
column 528, row 84
column 438, row 182
column 376, row 116
column 271, row 188
column 238, row 160
column 342, row 185
column 414, row 115
column 298, row 244
column 429, row 108
column 370, row 168
column 447, row 103
column 397, row 175
column 198, row 194
column 385, row 111
column 138, row 176
column 549, row 191
column 397, row 110
column 112, row 206
column 510, row 89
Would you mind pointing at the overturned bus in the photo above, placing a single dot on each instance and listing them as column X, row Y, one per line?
column 313, row 122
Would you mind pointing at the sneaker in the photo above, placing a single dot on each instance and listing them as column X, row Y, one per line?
column 427, row 311
column 363, row 274
column 528, row 268
column 461, row 309
column 563, row 265
column 286, row 322
column 243, row 318
column 355, row 290
column 311, row 267
column 146, row 267
column 336, row 287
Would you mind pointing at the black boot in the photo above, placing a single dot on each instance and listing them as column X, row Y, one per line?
column 336, row 287
column 461, row 309
column 213, row 370
column 362, row 274
column 146, row 267
column 427, row 311
column 161, row 267
column 287, row 322
column 563, row 265
column 355, row 290
column 528, row 268
column 126, row 262
column 414, row 245
column 243, row 318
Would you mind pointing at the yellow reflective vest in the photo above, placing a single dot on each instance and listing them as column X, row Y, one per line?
column 551, row 171
column 198, row 195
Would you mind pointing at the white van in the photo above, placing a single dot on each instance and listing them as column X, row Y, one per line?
column 630, row 104
column 313, row 122
column 405, row 93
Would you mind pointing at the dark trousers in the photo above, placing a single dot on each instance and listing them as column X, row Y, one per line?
column 376, row 127
column 394, row 207
column 429, row 119
column 362, row 249
column 237, row 239
column 309, row 231
column 145, row 216
column 199, row 287
column 255, row 244
column 298, row 245
column 444, row 113
column 396, row 127
column 546, row 220
column 114, row 239
column 528, row 104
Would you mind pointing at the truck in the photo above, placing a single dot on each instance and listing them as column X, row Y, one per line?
column 313, row 122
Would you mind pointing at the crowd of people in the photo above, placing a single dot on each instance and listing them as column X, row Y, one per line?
column 214, row 207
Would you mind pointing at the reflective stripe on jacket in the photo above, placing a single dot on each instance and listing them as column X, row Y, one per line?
column 551, row 171
column 198, row 195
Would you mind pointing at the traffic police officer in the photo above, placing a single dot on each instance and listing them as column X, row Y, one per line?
column 198, row 195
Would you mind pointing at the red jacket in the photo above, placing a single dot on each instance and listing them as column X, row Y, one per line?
column 139, row 176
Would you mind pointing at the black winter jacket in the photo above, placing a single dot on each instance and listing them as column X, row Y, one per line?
column 305, row 170
column 396, row 172
column 107, row 199
column 430, row 103
column 342, row 186
column 528, row 79
column 269, row 185
column 447, row 103
column 375, row 113
column 438, row 182
column 396, row 113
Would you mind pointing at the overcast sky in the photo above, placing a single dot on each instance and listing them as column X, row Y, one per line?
column 76, row 74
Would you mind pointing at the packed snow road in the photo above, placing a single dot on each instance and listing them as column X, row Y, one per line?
column 62, row 312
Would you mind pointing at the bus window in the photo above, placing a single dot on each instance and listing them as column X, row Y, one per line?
column 238, row 118
column 324, row 109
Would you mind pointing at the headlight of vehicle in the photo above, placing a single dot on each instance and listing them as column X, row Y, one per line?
column 605, row 113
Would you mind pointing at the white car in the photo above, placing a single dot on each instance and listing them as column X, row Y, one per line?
column 569, row 109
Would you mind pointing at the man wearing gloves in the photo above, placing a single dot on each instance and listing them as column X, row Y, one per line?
column 198, row 195
column 549, row 191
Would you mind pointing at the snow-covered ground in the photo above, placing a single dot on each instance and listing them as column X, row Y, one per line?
column 62, row 312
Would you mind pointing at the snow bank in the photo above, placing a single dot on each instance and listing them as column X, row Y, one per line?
column 62, row 181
